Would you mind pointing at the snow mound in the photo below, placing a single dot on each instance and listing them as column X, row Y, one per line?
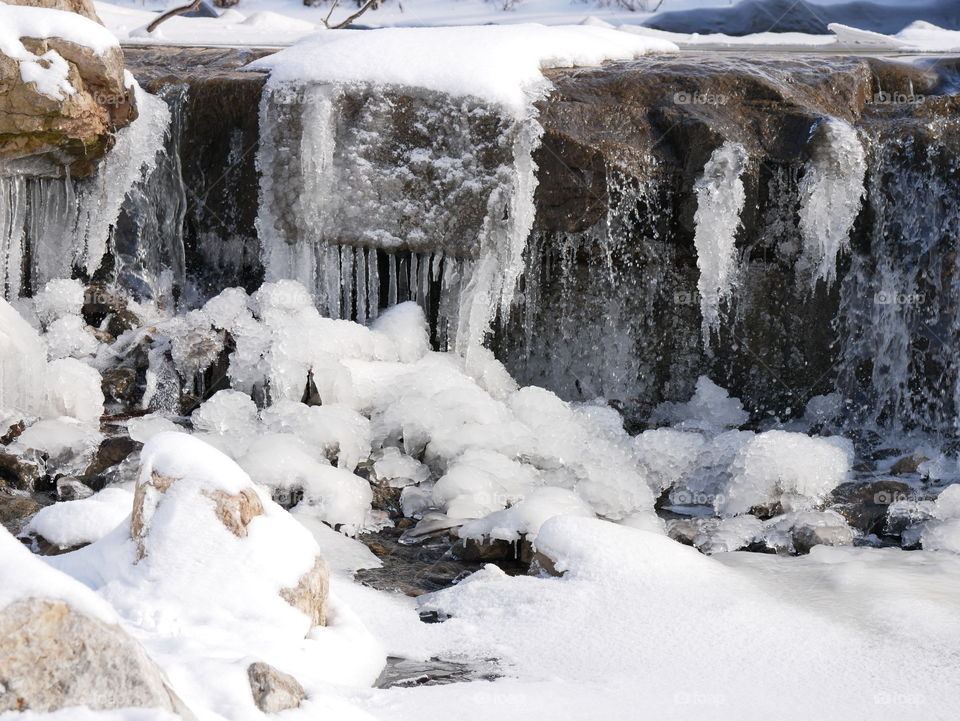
column 498, row 64
column 710, row 409
column 74, row 523
column 942, row 533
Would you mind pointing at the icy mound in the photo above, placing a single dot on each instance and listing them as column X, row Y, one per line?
column 64, row 387
column 942, row 533
column 500, row 64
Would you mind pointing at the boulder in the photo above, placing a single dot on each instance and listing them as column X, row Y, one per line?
column 273, row 690
column 47, row 133
column 235, row 511
column 54, row 657
column 16, row 509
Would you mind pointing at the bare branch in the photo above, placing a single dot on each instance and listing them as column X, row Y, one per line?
column 358, row 13
column 326, row 20
column 170, row 13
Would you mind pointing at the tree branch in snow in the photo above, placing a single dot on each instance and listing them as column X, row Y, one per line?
column 366, row 6
column 170, row 13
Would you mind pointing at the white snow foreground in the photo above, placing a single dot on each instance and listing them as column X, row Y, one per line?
column 640, row 627
column 205, row 602
column 498, row 64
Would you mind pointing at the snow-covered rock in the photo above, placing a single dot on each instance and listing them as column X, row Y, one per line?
column 61, row 646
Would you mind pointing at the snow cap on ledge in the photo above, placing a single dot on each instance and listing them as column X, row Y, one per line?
column 498, row 64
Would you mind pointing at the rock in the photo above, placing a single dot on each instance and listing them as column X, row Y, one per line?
column 99, row 302
column 235, row 511
column 122, row 321
column 493, row 551
column 19, row 473
column 53, row 657
column 908, row 464
column 71, row 489
column 864, row 506
column 80, row 7
column 119, row 385
column 806, row 537
column 16, row 509
column 273, row 690
column 310, row 594
column 45, row 135
column 112, row 452
column 13, row 433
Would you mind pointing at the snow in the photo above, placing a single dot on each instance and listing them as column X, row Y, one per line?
column 27, row 576
column 205, row 603
column 77, row 522
column 792, row 468
column 942, row 533
column 710, row 409
column 500, row 64
column 48, row 71
column 81, row 713
column 524, row 519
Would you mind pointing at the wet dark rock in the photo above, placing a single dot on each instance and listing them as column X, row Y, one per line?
column 907, row 464
column 273, row 690
column 407, row 673
column 112, row 451
column 71, row 489
column 13, row 432
column 16, row 509
column 99, row 302
column 493, row 551
column 20, row 473
column 119, row 385
column 122, row 321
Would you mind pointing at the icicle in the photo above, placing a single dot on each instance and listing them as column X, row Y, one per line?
column 373, row 283
column 720, row 200
column 414, row 282
column 392, row 292
column 360, row 263
column 831, row 193
column 346, row 281
column 13, row 209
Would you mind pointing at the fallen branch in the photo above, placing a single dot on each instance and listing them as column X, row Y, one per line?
column 195, row 5
column 358, row 13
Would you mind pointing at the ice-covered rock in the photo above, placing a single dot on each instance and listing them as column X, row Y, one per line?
column 710, row 409
column 942, row 533
column 791, row 470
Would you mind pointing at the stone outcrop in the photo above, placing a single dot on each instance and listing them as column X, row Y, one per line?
column 46, row 135
column 273, row 690
column 53, row 657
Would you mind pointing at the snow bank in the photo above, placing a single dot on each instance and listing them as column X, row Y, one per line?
column 74, row 523
column 27, row 576
column 683, row 635
column 499, row 64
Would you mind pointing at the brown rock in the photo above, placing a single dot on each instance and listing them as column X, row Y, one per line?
column 18, row 472
column 907, row 464
column 111, row 452
column 46, row 135
column 119, row 385
column 310, row 594
column 16, row 510
column 53, row 657
column 236, row 511
column 273, row 690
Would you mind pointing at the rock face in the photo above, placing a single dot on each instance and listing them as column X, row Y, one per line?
column 43, row 134
column 52, row 657
column 273, row 690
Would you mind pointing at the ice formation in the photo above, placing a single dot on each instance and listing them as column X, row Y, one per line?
column 942, row 532
column 830, row 196
column 720, row 200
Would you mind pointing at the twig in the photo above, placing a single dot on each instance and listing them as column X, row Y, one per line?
column 326, row 20
column 195, row 5
column 353, row 17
